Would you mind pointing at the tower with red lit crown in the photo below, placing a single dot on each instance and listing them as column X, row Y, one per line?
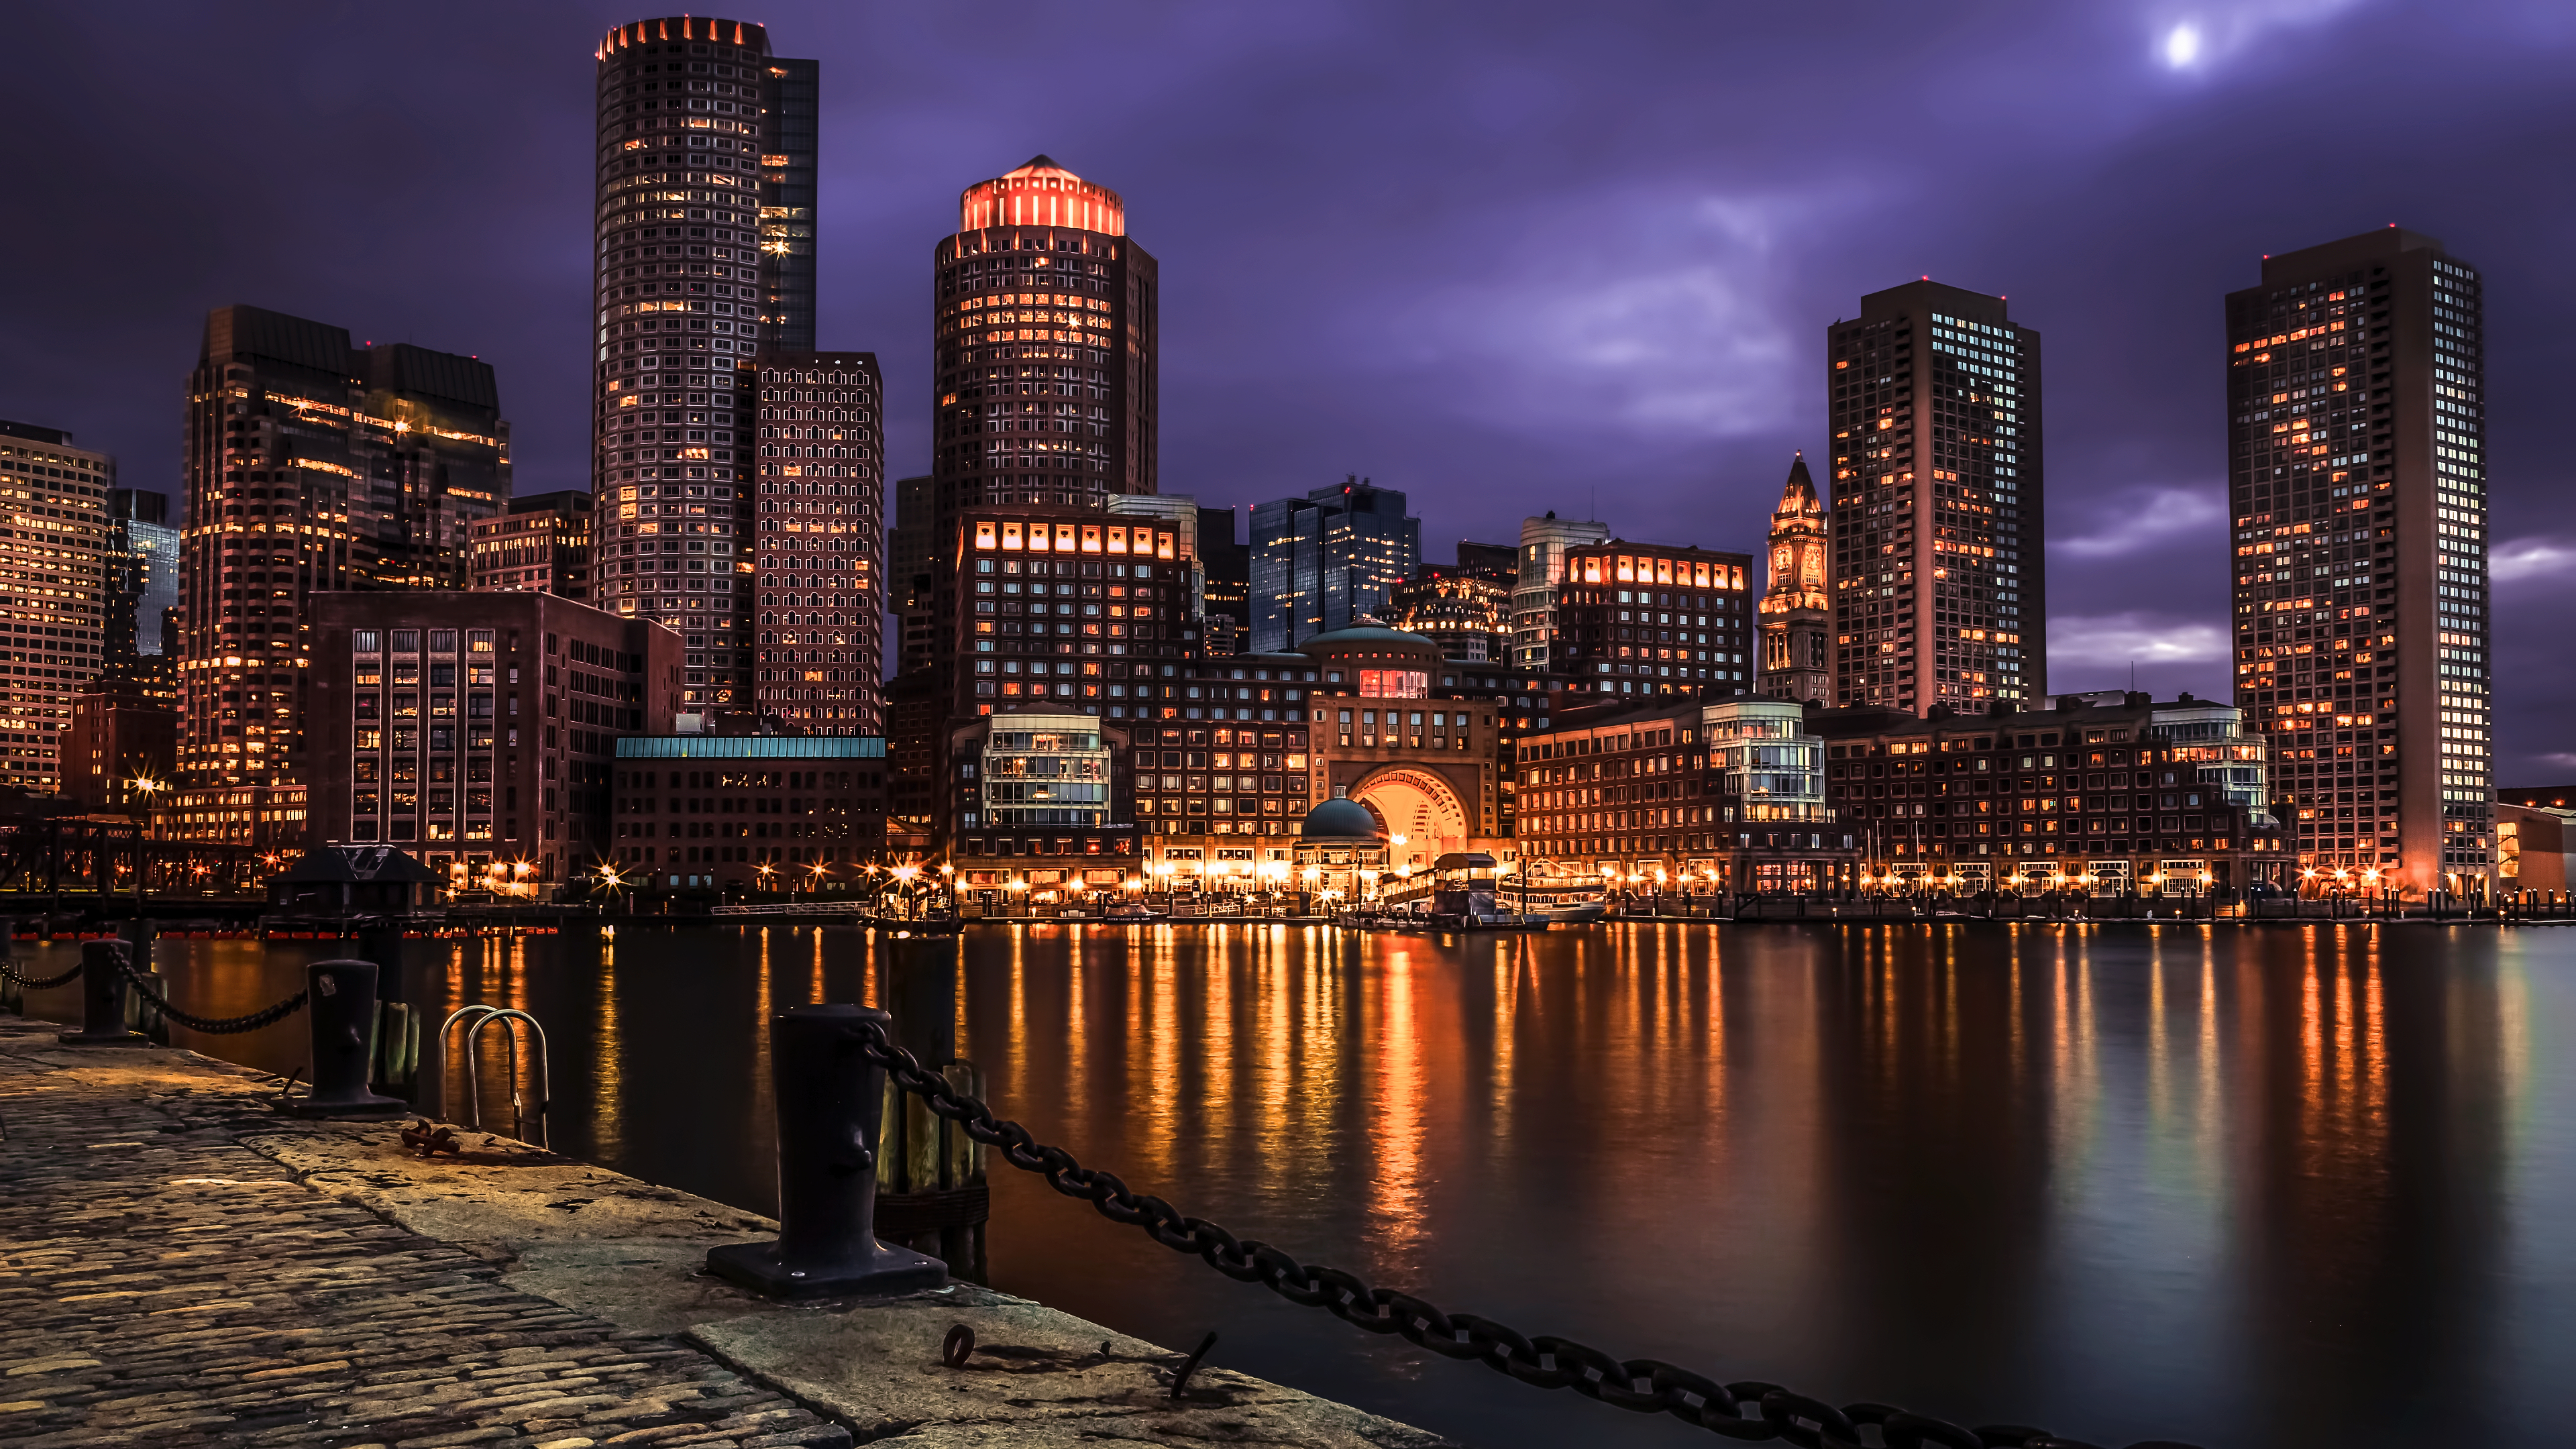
column 1797, row 607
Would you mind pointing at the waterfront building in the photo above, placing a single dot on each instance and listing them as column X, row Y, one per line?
column 1797, row 602
column 2531, row 846
column 2109, row 790
column 1327, row 561
column 1638, row 618
column 1938, row 573
column 2357, row 425
column 1040, row 789
column 124, row 734
column 476, row 729
column 740, row 813
column 141, row 562
column 540, row 544
column 1044, row 370
column 1075, row 608
column 1181, row 513
column 312, row 466
column 1682, row 794
column 1544, row 542
column 53, row 594
column 815, row 563
column 702, row 262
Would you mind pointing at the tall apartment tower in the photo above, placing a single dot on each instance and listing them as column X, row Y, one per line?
column 1045, row 343
column 2357, row 423
column 1797, row 660
column 817, row 551
column 311, row 466
column 1937, row 503
column 1327, row 560
column 703, row 261
column 54, row 601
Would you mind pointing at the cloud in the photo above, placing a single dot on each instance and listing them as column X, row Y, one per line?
column 1691, row 330
column 2517, row 559
column 2099, row 643
column 2145, row 519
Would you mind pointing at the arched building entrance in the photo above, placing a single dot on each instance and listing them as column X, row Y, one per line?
column 1419, row 805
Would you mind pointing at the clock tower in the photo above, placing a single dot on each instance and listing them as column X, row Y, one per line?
column 1797, row 606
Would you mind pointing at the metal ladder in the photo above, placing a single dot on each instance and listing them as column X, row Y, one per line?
column 522, row 1114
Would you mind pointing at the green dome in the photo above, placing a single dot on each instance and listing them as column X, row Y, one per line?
column 1340, row 820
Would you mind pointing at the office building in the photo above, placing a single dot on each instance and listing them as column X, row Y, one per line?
column 816, row 560
column 748, row 814
column 1225, row 584
column 703, row 262
column 1937, row 502
column 1465, row 607
column 479, row 728
column 911, row 576
column 1541, row 570
column 1045, row 373
column 1037, row 782
column 1642, row 619
column 1327, row 561
column 1180, row 513
column 312, row 466
column 53, row 594
column 541, row 545
column 2109, row 792
column 1797, row 601
column 2357, row 423
column 142, row 574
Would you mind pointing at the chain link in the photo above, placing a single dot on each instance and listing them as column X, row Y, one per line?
column 1748, row 1410
column 32, row 984
column 225, row 1026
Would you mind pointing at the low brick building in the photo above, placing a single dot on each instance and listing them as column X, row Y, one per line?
column 749, row 813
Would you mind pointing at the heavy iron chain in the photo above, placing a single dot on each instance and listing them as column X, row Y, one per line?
column 225, row 1026
column 1643, row 1385
column 32, row 984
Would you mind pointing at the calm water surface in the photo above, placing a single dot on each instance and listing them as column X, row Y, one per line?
column 2272, row 1187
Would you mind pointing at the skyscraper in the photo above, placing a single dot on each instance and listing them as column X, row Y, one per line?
column 2356, row 392
column 1797, row 606
column 1937, row 502
column 910, row 581
column 1045, row 342
column 703, row 260
column 312, row 465
column 1326, row 560
column 142, row 560
column 1544, row 542
column 818, row 555
column 53, row 601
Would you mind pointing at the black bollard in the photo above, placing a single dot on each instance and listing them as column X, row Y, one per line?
column 103, row 999
column 830, row 1099
column 341, row 1004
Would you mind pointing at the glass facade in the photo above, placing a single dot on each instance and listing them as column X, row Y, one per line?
column 1042, row 770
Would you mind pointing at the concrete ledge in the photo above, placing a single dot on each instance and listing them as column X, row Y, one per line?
column 631, row 1254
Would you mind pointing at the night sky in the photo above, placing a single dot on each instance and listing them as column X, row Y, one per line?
column 1505, row 257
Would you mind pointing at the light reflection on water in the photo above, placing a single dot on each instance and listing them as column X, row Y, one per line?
column 2298, row 1185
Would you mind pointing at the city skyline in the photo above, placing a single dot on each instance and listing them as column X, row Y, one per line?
column 2122, row 284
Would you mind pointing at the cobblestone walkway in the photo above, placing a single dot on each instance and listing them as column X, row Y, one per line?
column 160, row 1281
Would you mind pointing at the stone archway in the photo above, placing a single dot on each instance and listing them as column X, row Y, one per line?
column 1419, row 805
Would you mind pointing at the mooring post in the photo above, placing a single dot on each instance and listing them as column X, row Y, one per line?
column 829, row 1100
column 103, row 999
column 340, row 1004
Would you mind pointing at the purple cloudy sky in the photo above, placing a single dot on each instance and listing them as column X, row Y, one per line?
column 1506, row 257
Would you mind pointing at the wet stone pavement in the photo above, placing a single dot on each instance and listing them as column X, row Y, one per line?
column 161, row 1281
